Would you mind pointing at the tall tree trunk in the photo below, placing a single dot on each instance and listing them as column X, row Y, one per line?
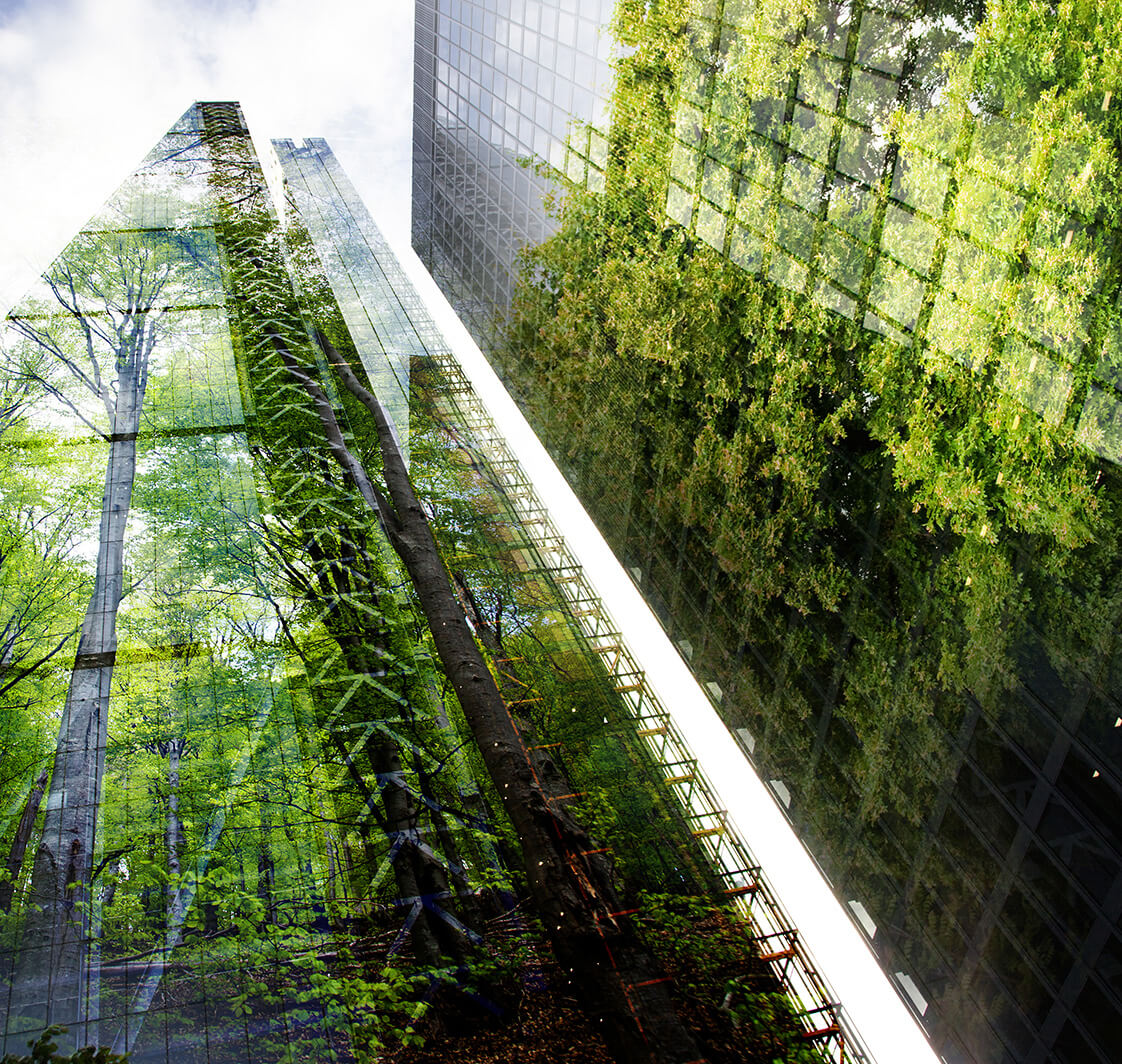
column 173, row 834
column 266, row 868
column 422, row 887
column 52, row 979
column 457, row 873
column 618, row 982
column 19, row 843
column 335, row 849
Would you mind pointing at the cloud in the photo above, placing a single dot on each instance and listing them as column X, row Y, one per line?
column 87, row 87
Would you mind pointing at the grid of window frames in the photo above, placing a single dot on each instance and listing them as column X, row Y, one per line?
column 498, row 85
column 795, row 179
column 268, row 754
column 794, row 176
column 994, row 890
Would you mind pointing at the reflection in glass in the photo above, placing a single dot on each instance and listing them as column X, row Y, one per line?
column 837, row 378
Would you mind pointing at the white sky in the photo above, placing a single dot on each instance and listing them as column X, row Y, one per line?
column 87, row 87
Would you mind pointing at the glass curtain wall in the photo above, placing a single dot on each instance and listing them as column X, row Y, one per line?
column 497, row 87
column 831, row 359
column 242, row 813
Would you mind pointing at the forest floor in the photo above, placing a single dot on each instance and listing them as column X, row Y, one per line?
column 539, row 1025
column 529, row 1017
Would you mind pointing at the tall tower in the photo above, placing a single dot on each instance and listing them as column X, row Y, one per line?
column 497, row 88
column 316, row 740
column 829, row 350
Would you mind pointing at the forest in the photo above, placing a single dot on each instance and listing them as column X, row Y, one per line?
column 304, row 755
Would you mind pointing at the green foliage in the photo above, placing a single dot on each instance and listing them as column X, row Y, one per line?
column 45, row 1051
column 892, row 525
column 767, row 1014
column 285, row 772
column 889, row 523
column 328, row 996
column 710, row 954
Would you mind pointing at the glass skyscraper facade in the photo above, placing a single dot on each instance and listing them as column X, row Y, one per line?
column 829, row 349
column 251, row 809
column 496, row 90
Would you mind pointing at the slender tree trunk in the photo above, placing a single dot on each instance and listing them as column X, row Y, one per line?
column 416, row 881
column 52, row 976
column 468, row 901
column 210, row 907
column 19, row 843
column 335, row 849
column 173, row 834
column 266, row 869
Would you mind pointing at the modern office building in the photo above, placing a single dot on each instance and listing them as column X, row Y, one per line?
column 497, row 88
column 828, row 349
column 252, row 808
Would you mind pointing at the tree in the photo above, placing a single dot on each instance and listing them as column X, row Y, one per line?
column 570, row 885
column 112, row 291
column 40, row 579
column 41, row 582
column 289, row 806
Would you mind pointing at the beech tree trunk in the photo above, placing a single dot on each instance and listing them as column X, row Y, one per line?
column 19, row 843
column 173, row 834
column 266, row 868
column 457, row 874
column 52, row 980
column 618, row 983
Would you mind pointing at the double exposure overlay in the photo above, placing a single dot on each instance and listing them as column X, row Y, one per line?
column 316, row 744
column 827, row 341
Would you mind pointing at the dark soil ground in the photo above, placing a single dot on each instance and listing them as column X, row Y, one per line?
column 539, row 1025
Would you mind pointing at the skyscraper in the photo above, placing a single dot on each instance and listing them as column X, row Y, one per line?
column 828, row 350
column 259, row 804
column 497, row 88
